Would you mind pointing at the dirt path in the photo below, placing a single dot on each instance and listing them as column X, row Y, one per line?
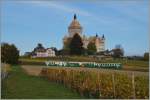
column 35, row 70
column 32, row 70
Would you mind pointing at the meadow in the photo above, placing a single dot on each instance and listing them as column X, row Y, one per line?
column 131, row 82
column 69, row 82
column 19, row 85
column 135, row 65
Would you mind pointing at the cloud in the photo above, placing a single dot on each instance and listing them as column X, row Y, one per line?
column 136, row 11
column 69, row 9
column 57, row 5
column 126, row 9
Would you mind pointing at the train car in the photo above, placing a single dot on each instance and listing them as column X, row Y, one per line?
column 84, row 64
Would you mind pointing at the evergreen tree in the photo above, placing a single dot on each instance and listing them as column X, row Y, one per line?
column 76, row 45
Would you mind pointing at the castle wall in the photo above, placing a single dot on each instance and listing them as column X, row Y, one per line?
column 72, row 32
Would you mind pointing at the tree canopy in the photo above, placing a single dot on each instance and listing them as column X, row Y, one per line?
column 118, row 51
column 76, row 45
column 146, row 56
column 39, row 47
column 9, row 53
column 91, row 48
column 67, row 44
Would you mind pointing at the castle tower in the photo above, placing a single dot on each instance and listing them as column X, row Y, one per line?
column 103, row 43
column 100, row 43
column 74, row 27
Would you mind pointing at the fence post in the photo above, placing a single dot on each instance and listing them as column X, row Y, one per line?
column 133, row 85
column 113, row 79
column 99, row 84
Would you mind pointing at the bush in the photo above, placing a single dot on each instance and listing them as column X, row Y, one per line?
column 9, row 53
column 146, row 56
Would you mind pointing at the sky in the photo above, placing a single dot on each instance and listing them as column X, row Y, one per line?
column 27, row 23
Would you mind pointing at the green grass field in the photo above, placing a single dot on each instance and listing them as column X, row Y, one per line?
column 19, row 85
column 133, row 65
column 139, row 63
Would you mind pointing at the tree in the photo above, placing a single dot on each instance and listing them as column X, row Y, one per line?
column 146, row 56
column 67, row 44
column 55, row 49
column 10, row 54
column 66, row 47
column 76, row 45
column 63, row 52
column 91, row 48
column 39, row 47
column 118, row 52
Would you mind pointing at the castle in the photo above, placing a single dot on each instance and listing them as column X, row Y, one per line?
column 76, row 28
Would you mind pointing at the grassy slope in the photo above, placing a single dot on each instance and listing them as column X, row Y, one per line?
column 135, row 63
column 19, row 85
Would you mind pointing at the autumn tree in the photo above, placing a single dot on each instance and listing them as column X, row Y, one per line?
column 66, row 47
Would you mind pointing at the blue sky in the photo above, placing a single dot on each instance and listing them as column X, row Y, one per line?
column 26, row 23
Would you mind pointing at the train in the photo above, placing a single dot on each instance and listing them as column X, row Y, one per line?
column 84, row 64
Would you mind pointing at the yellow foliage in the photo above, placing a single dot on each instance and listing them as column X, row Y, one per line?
column 97, row 85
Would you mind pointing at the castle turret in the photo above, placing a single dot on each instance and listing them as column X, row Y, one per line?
column 75, row 17
column 75, row 27
column 100, row 43
column 103, row 43
column 103, row 37
column 96, row 35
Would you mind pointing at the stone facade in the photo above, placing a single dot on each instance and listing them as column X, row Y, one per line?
column 45, row 53
column 76, row 28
